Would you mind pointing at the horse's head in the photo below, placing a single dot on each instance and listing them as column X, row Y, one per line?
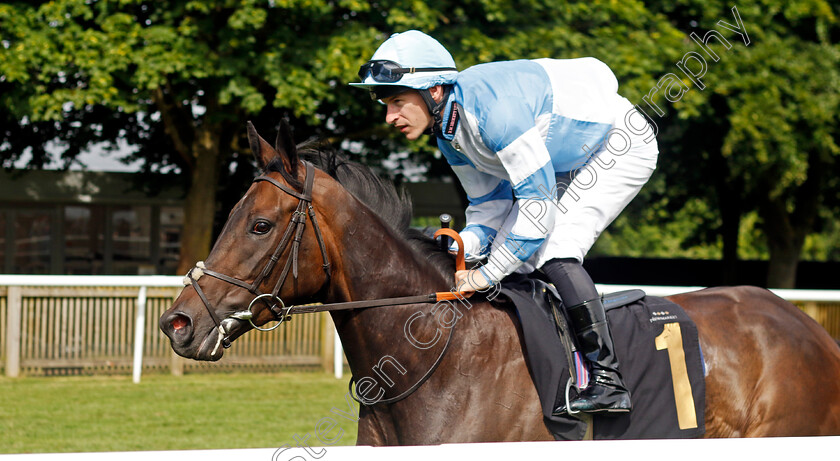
column 271, row 236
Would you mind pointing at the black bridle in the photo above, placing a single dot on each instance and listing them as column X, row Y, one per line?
column 292, row 236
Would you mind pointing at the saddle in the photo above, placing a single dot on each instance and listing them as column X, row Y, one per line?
column 658, row 350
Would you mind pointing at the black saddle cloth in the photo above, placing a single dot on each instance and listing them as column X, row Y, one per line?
column 659, row 355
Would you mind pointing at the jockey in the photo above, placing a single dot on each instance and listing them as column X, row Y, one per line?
column 548, row 154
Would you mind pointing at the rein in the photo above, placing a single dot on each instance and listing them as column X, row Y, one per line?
column 292, row 236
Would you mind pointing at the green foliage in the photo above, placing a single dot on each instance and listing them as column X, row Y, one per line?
column 784, row 108
column 759, row 142
column 656, row 234
column 287, row 58
column 762, row 132
column 229, row 59
column 751, row 242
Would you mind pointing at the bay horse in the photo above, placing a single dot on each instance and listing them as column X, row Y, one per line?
column 770, row 369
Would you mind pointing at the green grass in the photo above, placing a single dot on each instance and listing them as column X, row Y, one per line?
column 163, row 412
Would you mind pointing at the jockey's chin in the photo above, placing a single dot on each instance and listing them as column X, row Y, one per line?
column 411, row 132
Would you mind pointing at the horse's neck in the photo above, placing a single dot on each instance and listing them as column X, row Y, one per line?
column 377, row 263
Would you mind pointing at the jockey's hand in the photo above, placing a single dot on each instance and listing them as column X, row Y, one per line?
column 470, row 281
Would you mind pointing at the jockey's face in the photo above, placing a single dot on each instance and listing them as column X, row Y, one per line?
column 408, row 113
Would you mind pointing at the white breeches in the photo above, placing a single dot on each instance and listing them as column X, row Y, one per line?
column 601, row 189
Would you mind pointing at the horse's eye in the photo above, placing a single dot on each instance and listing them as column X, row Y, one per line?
column 261, row 227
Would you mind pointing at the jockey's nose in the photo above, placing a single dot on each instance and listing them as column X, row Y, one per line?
column 392, row 114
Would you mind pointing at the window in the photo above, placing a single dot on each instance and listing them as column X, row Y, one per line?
column 84, row 230
column 131, row 234
column 77, row 223
column 80, row 239
column 32, row 231
column 171, row 224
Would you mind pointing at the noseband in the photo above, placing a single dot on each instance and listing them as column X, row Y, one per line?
column 292, row 236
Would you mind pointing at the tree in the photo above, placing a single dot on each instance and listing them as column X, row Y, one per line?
column 179, row 78
column 759, row 131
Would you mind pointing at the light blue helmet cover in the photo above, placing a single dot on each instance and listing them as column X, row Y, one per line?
column 413, row 48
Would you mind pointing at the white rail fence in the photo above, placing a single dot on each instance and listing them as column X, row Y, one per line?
column 81, row 324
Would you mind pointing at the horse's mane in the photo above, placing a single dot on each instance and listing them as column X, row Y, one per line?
column 392, row 206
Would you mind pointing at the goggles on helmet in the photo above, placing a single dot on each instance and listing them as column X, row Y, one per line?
column 384, row 71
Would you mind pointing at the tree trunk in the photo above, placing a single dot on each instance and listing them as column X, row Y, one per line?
column 200, row 206
column 784, row 259
column 729, row 188
column 785, row 230
column 784, row 240
column 729, row 204
column 786, row 227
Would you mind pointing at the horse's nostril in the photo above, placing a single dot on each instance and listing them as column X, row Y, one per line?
column 179, row 322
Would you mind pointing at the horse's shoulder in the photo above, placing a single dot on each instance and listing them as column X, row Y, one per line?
column 494, row 316
column 491, row 325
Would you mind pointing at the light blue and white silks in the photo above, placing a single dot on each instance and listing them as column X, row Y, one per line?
column 512, row 128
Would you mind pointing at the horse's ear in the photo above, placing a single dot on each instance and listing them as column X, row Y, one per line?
column 261, row 149
column 285, row 146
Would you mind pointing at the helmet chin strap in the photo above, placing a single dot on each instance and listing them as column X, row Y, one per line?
column 436, row 108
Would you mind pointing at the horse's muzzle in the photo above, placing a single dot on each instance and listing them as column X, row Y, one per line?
column 178, row 326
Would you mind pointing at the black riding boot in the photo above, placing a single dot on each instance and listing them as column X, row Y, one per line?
column 606, row 391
